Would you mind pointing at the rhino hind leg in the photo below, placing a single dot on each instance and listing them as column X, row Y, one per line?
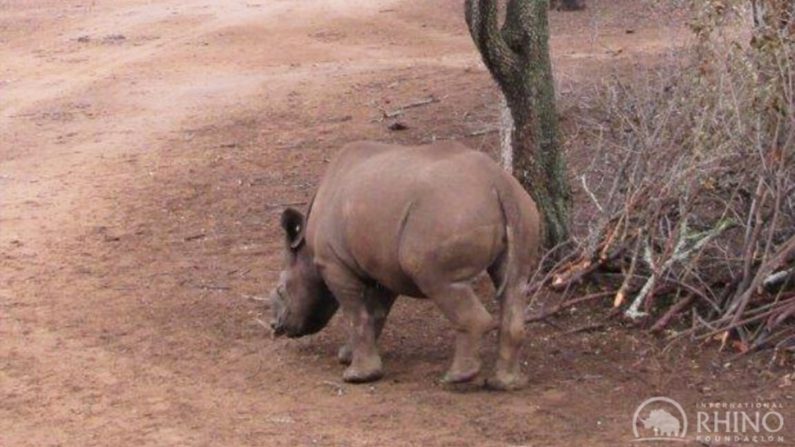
column 471, row 321
column 380, row 302
column 508, row 373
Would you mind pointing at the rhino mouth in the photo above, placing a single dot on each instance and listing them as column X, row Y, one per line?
column 282, row 330
column 277, row 325
column 277, row 330
column 308, row 322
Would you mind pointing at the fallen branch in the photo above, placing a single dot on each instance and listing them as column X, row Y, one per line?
column 577, row 271
column 402, row 109
column 680, row 253
column 264, row 325
column 480, row 132
column 567, row 304
column 585, row 328
column 784, row 254
column 260, row 299
column 211, row 287
column 675, row 310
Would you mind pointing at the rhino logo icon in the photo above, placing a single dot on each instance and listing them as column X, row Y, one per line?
column 663, row 423
column 665, row 420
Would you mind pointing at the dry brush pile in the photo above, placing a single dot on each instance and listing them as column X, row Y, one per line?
column 693, row 191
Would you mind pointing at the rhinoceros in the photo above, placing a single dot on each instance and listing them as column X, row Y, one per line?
column 420, row 221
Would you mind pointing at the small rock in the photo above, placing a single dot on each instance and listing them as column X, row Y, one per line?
column 397, row 126
column 115, row 38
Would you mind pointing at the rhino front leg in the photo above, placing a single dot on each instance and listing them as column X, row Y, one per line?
column 352, row 294
column 365, row 365
column 380, row 301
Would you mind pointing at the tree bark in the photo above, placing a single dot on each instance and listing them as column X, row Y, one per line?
column 517, row 55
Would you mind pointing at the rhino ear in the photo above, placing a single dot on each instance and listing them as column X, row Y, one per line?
column 293, row 223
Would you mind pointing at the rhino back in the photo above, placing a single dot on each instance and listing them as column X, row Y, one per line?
column 388, row 211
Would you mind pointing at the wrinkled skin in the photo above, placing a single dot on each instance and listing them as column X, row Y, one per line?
column 420, row 221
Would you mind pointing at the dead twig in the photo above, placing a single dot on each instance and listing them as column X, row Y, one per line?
column 477, row 133
column 211, row 287
column 402, row 109
column 566, row 305
column 674, row 310
column 260, row 299
column 585, row 328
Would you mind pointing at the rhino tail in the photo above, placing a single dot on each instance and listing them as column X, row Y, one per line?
column 512, row 222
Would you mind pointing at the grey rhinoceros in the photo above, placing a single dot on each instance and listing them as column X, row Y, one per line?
column 420, row 221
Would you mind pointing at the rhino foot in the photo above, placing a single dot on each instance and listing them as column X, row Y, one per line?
column 362, row 375
column 459, row 374
column 507, row 382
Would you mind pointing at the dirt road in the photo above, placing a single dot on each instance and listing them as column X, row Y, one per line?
column 146, row 149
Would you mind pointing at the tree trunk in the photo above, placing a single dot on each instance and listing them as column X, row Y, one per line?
column 517, row 55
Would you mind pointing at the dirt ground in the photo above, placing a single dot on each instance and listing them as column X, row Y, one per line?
column 147, row 148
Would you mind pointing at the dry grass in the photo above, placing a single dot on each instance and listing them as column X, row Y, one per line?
column 693, row 189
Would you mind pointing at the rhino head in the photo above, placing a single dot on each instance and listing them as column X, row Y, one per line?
column 301, row 303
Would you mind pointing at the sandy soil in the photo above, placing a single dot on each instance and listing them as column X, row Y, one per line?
column 147, row 147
